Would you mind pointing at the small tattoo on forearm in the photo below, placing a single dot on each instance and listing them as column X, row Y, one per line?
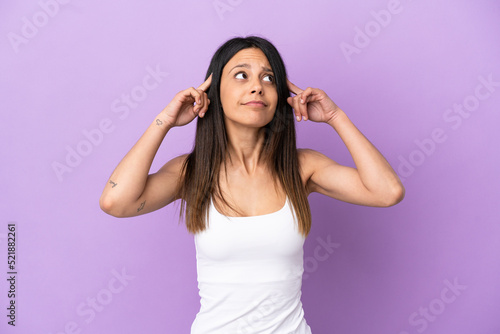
column 141, row 207
column 158, row 122
column 113, row 183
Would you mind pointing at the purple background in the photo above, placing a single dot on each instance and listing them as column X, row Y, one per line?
column 389, row 267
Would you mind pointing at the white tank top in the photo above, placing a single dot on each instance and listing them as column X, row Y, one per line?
column 250, row 274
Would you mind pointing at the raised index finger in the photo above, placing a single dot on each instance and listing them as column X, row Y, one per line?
column 294, row 89
column 204, row 86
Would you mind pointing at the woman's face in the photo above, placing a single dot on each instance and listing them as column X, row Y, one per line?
column 248, row 77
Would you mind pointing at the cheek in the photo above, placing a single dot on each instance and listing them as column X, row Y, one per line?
column 223, row 95
column 275, row 99
column 224, row 101
column 228, row 97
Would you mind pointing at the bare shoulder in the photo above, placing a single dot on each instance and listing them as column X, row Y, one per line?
column 174, row 165
column 308, row 158
column 312, row 158
column 311, row 161
column 169, row 174
column 176, row 162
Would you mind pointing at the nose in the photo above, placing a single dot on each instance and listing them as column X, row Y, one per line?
column 256, row 86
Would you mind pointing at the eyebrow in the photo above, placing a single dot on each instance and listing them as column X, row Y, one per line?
column 267, row 69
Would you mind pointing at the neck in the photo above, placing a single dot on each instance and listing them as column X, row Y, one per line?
column 244, row 147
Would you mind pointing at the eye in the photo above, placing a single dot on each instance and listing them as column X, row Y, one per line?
column 243, row 73
column 271, row 77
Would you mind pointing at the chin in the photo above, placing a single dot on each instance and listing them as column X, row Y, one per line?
column 251, row 121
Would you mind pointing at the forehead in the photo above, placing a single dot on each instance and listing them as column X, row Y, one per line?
column 250, row 56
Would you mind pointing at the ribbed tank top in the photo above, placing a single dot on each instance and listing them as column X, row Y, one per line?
column 249, row 273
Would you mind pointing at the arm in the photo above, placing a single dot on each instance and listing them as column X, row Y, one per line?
column 373, row 182
column 131, row 191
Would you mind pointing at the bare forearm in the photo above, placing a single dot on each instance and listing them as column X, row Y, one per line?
column 127, row 182
column 374, row 171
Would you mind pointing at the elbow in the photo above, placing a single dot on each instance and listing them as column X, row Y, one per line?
column 109, row 206
column 106, row 205
column 394, row 197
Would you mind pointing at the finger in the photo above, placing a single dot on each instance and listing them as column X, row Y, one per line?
column 302, row 106
column 305, row 95
column 314, row 96
column 205, row 105
column 302, row 103
column 204, row 86
column 203, row 101
column 294, row 102
column 196, row 95
column 291, row 87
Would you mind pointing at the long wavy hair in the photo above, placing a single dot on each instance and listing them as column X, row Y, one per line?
column 199, row 177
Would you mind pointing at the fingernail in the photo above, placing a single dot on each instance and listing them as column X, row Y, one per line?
column 202, row 114
column 298, row 118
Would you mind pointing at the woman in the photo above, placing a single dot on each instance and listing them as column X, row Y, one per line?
column 243, row 167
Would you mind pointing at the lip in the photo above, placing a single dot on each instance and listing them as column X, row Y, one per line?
column 255, row 103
